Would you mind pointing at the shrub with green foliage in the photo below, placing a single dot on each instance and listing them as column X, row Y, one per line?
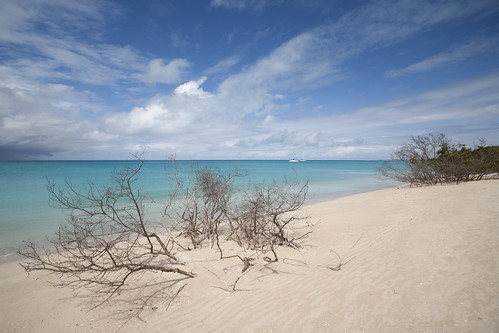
column 457, row 163
column 432, row 159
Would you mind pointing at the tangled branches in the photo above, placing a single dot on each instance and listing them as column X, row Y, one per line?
column 108, row 241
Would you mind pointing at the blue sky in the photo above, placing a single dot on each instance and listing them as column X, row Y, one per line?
column 244, row 79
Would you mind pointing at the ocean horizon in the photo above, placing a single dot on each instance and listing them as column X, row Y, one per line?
column 26, row 214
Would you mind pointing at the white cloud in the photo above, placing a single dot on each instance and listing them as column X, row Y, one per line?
column 303, row 100
column 465, row 111
column 47, row 27
column 236, row 4
column 97, row 135
column 458, row 108
column 21, row 20
column 178, row 41
column 314, row 58
column 297, row 64
column 152, row 120
column 246, row 109
column 222, row 66
column 457, row 54
column 171, row 73
column 243, row 4
column 192, row 88
column 39, row 120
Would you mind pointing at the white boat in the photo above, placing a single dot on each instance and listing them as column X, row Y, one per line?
column 294, row 160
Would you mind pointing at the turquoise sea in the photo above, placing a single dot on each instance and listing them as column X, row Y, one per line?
column 25, row 213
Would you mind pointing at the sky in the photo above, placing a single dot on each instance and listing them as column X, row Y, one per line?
column 244, row 79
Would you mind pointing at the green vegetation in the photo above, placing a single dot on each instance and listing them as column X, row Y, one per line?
column 432, row 159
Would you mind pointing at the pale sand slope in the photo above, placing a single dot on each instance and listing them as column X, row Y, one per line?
column 419, row 260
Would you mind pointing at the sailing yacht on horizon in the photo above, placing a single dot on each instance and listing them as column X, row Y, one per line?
column 295, row 160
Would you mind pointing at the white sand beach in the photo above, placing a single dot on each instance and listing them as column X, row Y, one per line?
column 414, row 260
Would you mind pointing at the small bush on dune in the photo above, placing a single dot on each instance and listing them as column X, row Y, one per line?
column 432, row 159
column 108, row 242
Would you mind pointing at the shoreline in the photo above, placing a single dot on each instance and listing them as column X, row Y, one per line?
column 420, row 258
column 324, row 198
column 313, row 199
column 28, row 216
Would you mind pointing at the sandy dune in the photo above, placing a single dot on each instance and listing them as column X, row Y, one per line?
column 414, row 260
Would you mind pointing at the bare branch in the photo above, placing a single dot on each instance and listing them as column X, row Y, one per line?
column 107, row 239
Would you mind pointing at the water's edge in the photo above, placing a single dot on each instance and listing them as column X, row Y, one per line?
column 27, row 215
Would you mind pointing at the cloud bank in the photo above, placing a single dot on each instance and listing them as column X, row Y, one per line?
column 52, row 104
